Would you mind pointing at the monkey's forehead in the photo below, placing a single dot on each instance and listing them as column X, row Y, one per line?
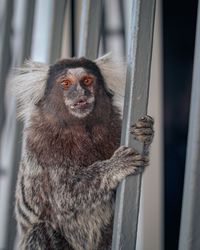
column 74, row 72
column 78, row 72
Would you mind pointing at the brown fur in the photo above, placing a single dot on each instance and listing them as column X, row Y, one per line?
column 70, row 169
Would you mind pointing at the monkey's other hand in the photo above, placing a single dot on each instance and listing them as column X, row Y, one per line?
column 142, row 130
column 129, row 160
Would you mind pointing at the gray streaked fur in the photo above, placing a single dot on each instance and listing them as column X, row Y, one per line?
column 71, row 167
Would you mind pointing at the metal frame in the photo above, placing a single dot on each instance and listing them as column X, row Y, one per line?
column 135, row 105
column 56, row 30
column 5, row 53
column 190, row 221
column 90, row 27
column 5, row 61
column 150, row 233
column 12, row 135
column 138, row 71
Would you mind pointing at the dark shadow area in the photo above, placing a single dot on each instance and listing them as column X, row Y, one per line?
column 179, row 23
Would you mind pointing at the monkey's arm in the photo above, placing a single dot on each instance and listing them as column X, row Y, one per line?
column 88, row 187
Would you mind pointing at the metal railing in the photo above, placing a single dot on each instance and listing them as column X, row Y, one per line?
column 135, row 106
column 11, row 139
column 138, row 73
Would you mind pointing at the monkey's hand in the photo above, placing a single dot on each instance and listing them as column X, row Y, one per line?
column 142, row 130
column 88, row 187
column 127, row 161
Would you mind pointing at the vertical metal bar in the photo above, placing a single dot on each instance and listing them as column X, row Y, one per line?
column 26, row 40
column 5, row 61
column 135, row 105
column 12, row 134
column 103, row 30
column 190, row 220
column 150, row 224
column 73, row 27
column 122, row 17
column 5, row 52
column 90, row 28
column 56, row 30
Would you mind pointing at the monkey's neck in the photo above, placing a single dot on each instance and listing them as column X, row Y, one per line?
column 103, row 112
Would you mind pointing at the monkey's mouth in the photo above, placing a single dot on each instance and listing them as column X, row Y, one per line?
column 82, row 104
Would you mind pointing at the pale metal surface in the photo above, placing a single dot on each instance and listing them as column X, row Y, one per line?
column 90, row 28
column 56, row 30
column 5, row 52
column 11, row 139
column 190, row 220
column 135, row 106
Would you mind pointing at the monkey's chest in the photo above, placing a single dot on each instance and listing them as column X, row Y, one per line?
column 86, row 148
column 77, row 146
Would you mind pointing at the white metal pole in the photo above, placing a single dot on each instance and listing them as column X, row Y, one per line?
column 90, row 28
column 11, row 137
column 135, row 105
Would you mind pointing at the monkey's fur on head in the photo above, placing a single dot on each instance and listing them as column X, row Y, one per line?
column 72, row 162
column 29, row 82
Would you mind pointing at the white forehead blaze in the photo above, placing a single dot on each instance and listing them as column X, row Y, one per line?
column 78, row 72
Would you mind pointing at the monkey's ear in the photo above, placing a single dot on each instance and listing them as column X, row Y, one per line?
column 114, row 73
column 28, row 84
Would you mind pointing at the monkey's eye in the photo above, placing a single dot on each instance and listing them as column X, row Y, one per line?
column 66, row 83
column 87, row 81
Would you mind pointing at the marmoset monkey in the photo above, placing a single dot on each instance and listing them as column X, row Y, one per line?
column 72, row 160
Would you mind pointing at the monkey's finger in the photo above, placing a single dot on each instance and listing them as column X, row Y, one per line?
column 142, row 131
column 144, row 122
column 146, row 118
column 124, row 151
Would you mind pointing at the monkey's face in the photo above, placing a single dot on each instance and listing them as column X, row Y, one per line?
column 75, row 88
column 78, row 87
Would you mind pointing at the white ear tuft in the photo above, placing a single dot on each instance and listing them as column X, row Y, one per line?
column 28, row 84
column 114, row 73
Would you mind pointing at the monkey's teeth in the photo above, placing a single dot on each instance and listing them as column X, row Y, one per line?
column 78, row 104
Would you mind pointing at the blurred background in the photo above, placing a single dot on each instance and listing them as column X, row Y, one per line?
column 46, row 30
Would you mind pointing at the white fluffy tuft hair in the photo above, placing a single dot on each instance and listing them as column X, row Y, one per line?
column 28, row 82
column 114, row 73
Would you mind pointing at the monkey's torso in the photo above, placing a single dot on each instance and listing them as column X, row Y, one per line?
column 72, row 162
column 48, row 188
